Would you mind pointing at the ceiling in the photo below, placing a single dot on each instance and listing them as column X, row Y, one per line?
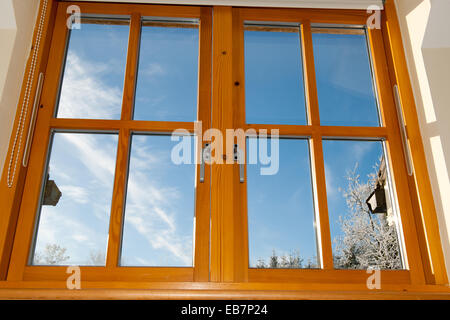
column 331, row 4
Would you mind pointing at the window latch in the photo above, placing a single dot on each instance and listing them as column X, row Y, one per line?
column 204, row 158
column 239, row 158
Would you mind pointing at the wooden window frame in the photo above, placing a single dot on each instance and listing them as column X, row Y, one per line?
column 316, row 133
column 47, row 123
column 225, row 274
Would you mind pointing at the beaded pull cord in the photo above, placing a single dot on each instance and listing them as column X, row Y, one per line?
column 17, row 144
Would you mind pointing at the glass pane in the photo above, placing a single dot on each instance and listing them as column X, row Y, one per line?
column 76, row 200
column 167, row 76
column 159, row 213
column 274, row 92
column 280, row 207
column 94, row 72
column 363, row 219
column 344, row 78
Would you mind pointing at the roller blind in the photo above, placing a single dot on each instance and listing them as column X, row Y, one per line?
column 330, row 4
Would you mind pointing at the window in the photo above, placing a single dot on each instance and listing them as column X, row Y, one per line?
column 110, row 198
column 312, row 190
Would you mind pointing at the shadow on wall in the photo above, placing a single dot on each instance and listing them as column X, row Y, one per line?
column 429, row 29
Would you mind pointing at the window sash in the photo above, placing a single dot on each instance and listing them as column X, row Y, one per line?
column 229, row 247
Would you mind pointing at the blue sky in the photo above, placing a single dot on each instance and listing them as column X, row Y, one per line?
column 280, row 208
column 159, row 210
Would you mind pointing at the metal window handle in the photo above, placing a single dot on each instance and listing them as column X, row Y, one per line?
column 239, row 158
column 204, row 158
column 403, row 132
column 37, row 98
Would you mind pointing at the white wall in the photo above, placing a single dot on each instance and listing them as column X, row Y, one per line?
column 17, row 20
column 425, row 27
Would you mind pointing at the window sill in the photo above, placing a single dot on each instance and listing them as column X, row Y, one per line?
column 217, row 291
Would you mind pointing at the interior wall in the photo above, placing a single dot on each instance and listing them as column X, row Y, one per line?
column 17, row 20
column 425, row 30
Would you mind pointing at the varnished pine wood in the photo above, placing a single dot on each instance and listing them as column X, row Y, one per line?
column 36, row 167
column 396, row 158
column 222, row 180
column 145, row 274
column 10, row 198
column 124, row 9
column 240, row 189
column 317, row 160
column 118, row 200
column 399, row 277
column 163, row 127
column 312, row 100
column 131, row 67
column 203, row 190
column 321, row 203
column 355, row 17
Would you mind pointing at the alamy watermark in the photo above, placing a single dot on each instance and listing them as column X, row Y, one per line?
column 263, row 148
column 74, row 279
column 374, row 20
column 74, row 20
column 374, row 280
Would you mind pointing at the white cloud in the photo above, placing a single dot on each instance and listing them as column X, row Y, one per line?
column 153, row 69
column 74, row 193
column 149, row 209
column 84, row 93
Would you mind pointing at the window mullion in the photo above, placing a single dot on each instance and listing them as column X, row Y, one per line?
column 120, row 177
column 131, row 67
column 317, row 161
column 118, row 199
column 321, row 203
column 312, row 102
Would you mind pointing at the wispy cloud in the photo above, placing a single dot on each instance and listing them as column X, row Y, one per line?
column 152, row 70
column 75, row 193
column 85, row 94
column 149, row 209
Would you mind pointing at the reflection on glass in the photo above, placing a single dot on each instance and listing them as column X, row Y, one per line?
column 159, row 212
column 274, row 92
column 280, row 209
column 167, row 76
column 76, row 200
column 344, row 78
column 363, row 219
column 94, row 72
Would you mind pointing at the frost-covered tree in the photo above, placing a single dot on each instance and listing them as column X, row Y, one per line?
column 53, row 254
column 96, row 258
column 286, row 261
column 368, row 240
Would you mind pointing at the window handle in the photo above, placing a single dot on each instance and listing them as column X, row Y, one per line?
column 37, row 98
column 239, row 158
column 403, row 132
column 205, row 158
